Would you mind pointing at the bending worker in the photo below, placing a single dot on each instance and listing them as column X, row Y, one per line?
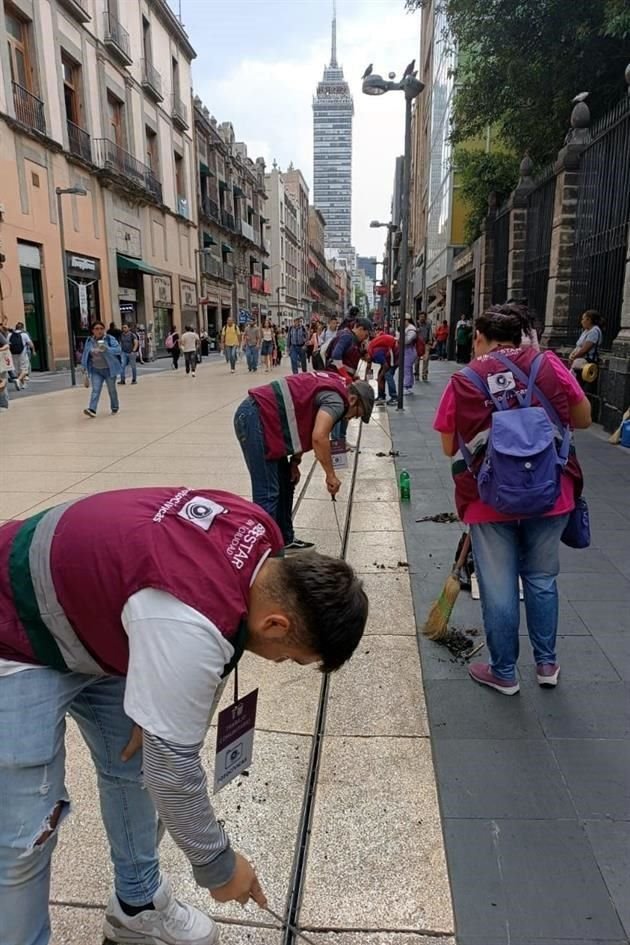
column 280, row 421
column 132, row 607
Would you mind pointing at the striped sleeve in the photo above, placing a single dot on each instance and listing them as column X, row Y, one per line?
column 176, row 781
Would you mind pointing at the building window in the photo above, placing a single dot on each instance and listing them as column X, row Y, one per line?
column 146, row 41
column 116, row 116
column 175, row 76
column 18, row 36
column 151, row 150
column 72, row 89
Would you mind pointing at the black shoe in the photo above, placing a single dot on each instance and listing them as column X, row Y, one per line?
column 298, row 545
column 392, row 402
column 134, row 382
column 89, row 413
column 379, row 401
column 121, row 382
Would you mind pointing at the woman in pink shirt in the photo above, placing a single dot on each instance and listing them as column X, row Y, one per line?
column 506, row 547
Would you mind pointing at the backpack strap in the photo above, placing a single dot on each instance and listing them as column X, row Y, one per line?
column 481, row 385
column 532, row 388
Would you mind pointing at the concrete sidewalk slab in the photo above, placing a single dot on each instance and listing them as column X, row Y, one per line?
column 391, row 606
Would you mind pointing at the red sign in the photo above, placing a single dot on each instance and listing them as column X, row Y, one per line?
column 256, row 283
column 266, row 287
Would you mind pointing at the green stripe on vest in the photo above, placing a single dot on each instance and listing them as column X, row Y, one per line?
column 284, row 422
column 42, row 641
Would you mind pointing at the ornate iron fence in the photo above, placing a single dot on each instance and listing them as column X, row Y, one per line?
column 603, row 216
column 501, row 238
column 538, row 246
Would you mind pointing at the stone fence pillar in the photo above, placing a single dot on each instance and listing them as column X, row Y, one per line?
column 517, row 242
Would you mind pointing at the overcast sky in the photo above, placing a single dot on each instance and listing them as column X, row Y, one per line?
column 258, row 64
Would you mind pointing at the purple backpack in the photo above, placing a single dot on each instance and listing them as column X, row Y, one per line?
column 526, row 450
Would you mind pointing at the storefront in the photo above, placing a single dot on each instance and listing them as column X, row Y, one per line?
column 189, row 307
column 162, row 312
column 84, row 275
column 30, row 258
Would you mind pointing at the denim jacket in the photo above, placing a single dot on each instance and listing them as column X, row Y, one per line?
column 112, row 354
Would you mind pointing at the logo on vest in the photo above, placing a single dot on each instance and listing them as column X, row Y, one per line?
column 201, row 512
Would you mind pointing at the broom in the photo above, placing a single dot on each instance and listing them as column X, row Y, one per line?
column 436, row 627
column 616, row 436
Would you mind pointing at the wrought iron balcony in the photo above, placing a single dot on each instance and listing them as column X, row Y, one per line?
column 116, row 38
column 29, row 110
column 151, row 81
column 228, row 272
column 119, row 164
column 179, row 113
column 227, row 219
column 77, row 8
column 209, row 208
column 210, row 265
column 79, row 141
column 248, row 231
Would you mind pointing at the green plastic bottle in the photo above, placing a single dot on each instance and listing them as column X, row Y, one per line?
column 405, row 486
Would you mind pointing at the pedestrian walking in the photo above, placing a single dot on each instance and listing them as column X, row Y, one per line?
column 441, row 339
column 280, row 336
column 383, row 351
column 132, row 615
column 424, row 346
column 171, row 344
column 268, row 345
column 517, row 508
column 129, row 345
column 463, row 339
column 21, row 347
column 6, row 369
column 101, row 362
column 586, row 350
column 229, row 343
column 279, row 422
column 189, row 343
column 114, row 331
column 297, row 337
column 251, row 345
column 411, row 355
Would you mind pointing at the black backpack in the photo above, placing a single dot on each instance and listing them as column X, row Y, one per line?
column 16, row 342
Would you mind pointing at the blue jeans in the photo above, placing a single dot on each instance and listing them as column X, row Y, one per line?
column 272, row 488
column 251, row 354
column 297, row 356
column 97, row 379
column 128, row 358
column 33, row 707
column 502, row 552
column 230, row 352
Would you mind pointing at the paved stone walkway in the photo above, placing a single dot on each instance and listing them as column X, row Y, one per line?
column 375, row 872
column 534, row 790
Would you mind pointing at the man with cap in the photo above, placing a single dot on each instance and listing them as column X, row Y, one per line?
column 142, row 625
column 346, row 349
column 278, row 422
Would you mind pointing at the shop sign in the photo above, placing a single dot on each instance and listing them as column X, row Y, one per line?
column 162, row 293
column 83, row 305
column 129, row 295
column 188, row 294
column 463, row 261
column 83, row 266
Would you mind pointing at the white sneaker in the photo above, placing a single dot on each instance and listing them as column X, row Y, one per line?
column 170, row 923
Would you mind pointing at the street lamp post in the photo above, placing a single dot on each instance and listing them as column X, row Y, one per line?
column 77, row 192
column 391, row 228
column 411, row 86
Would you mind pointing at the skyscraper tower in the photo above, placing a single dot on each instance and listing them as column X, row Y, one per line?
column 333, row 110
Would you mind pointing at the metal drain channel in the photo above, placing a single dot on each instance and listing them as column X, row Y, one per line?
column 298, row 871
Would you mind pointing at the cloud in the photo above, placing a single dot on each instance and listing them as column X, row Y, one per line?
column 270, row 104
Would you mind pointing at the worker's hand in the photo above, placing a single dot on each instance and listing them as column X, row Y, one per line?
column 333, row 484
column 294, row 473
column 134, row 743
column 242, row 887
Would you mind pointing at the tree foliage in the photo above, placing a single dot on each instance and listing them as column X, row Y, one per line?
column 480, row 174
column 522, row 61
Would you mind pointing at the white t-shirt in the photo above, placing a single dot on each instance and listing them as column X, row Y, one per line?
column 176, row 657
column 189, row 341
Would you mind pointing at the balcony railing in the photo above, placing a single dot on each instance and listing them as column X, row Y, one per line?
column 112, row 158
column 79, row 141
column 247, row 231
column 29, row 109
column 210, row 208
column 266, row 245
column 179, row 112
column 210, row 265
column 152, row 80
column 77, row 8
column 227, row 219
column 116, row 37
column 228, row 272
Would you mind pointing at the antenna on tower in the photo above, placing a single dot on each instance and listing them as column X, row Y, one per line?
column 333, row 45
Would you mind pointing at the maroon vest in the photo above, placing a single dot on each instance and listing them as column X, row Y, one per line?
column 473, row 415
column 287, row 410
column 66, row 574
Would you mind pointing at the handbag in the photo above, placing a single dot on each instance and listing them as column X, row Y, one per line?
column 577, row 531
column 6, row 361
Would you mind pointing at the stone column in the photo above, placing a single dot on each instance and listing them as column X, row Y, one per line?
column 555, row 334
column 518, row 230
column 483, row 291
column 616, row 382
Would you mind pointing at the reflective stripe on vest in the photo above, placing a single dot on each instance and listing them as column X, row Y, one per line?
column 288, row 419
column 50, row 633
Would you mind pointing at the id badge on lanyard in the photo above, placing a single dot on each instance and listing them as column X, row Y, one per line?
column 235, row 737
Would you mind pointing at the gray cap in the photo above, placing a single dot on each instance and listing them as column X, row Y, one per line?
column 365, row 393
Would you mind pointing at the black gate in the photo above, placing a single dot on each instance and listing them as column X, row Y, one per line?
column 538, row 247
column 603, row 215
column 501, row 239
